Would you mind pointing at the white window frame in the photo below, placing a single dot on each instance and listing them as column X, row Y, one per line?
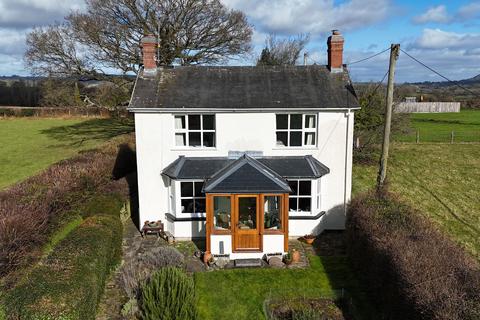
column 193, row 197
column 298, row 196
column 319, row 194
column 303, row 130
column 186, row 131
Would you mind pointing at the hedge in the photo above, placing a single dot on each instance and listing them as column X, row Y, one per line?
column 43, row 203
column 69, row 282
column 410, row 269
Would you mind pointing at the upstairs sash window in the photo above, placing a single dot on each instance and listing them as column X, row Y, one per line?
column 195, row 130
column 296, row 130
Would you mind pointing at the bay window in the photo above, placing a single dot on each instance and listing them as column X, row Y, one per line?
column 192, row 199
column 300, row 199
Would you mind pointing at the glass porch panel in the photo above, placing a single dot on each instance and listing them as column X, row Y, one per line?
column 221, row 212
column 247, row 213
column 272, row 212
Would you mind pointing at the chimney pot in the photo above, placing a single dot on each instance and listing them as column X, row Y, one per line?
column 149, row 48
column 335, row 51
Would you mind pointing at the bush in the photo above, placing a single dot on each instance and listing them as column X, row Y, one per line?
column 43, row 202
column 134, row 274
column 69, row 282
column 410, row 269
column 6, row 112
column 169, row 294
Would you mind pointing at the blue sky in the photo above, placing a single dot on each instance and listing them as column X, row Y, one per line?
column 443, row 34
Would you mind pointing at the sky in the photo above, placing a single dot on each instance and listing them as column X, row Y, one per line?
column 443, row 34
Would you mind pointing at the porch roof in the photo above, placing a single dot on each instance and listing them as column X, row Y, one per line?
column 246, row 175
column 295, row 167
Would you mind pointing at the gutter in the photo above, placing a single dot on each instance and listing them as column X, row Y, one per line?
column 233, row 110
column 133, row 90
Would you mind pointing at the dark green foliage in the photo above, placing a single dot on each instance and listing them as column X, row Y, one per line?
column 411, row 270
column 169, row 294
column 69, row 282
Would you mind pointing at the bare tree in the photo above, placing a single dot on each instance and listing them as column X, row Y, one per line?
column 282, row 51
column 108, row 33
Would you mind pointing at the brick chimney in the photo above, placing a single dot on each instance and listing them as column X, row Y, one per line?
column 335, row 51
column 149, row 50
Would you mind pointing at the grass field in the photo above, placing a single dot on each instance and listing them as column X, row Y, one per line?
column 437, row 127
column 240, row 293
column 442, row 180
column 31, row 145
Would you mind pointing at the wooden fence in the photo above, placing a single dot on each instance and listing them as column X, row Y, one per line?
column 427, row 107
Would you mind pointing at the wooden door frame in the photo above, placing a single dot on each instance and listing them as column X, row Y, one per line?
column 259, row 220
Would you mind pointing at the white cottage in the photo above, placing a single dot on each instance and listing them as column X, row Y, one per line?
column 244, row 156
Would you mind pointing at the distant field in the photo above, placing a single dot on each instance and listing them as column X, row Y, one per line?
column 31, row 145
column 442, row 180
column 437, row 127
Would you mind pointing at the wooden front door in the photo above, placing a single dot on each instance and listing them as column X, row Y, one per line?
column 247, row 223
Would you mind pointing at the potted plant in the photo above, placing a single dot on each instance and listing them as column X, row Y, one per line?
column 207, row 257
column 287, row 259
column 309, row 238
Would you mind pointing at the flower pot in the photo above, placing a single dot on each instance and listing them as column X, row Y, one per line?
column 207, row 257
column 295, row 256
column 309, row 240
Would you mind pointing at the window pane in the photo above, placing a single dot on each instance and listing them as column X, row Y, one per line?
column 247, row 213
column 292, row 204
column 198, row 189
column 187, row 205
column 310, row 121
column 304, row 204
column 295, row 138
column 199, row 205
column 272, row 218
column 282, row 138
column 186, row 189
column 194, row 122
column 221, row 213
column 179, row 122
column 305, row 188
column 295, row 121
column 194, row 139
column 208, row 122
column 282, row 121
column 209, row 139
column 309, row 139
column 180, row 139
column 294, row 186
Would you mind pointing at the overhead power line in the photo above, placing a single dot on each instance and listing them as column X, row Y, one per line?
column 370, row 57
column 439, row 74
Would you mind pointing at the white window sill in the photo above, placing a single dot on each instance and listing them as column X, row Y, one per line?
column 190, row 215
column 194, row 149
column 299, row 213
column 295, row 148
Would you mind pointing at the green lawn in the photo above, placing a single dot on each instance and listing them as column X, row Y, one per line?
column 31, row 145
column 240, row 293
column 441, row 180
column 437, row 127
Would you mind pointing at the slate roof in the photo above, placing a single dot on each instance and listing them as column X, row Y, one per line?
column 263, row 87
column 246, row 175
column 296, row 167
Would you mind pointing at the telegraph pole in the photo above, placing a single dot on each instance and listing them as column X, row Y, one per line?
column 382, row 172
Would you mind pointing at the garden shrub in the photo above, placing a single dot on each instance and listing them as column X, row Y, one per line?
column 410, row 269
column 5, row 112
column 169, row 294
column 135, row 273
column 69, row 282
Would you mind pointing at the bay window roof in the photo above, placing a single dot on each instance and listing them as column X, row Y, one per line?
column 205, row 168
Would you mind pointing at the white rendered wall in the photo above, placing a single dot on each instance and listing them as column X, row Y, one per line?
column 241, row 132
column 271, row 244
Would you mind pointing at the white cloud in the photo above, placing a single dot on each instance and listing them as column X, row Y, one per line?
column 21, row 14
column 287, row 17
column 439, row 39
column 469, row 11
column 436, row 14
